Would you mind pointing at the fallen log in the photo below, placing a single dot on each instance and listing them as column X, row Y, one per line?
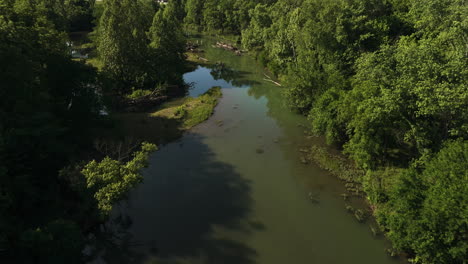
column 269, row 80
column 229, row 47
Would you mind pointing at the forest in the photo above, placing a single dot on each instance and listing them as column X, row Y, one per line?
column 384, row 81
column 60, row 171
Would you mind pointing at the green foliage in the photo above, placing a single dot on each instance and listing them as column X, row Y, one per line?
column 378, row 184
column 415, row 93
column 168, row 44
column 180, row 111
column 79, row 14
column 427, row 213
column 123, row 45
column 203, row 110
column 141, row 44
column 194, row 11
column 254, row 35
column 111, row 180
column 46, row 100
column 139, row 93
column 227, row 16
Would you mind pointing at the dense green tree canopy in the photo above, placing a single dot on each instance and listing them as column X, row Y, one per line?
column 141, row 44
column 46, row 99
column 428, row 210
column 49, row 111
column 123, row 45
column 168, row 43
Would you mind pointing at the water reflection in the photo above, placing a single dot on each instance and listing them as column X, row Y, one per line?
column 220, row 75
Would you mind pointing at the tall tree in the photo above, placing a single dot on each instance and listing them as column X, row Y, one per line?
column 168, row 44
column 427, row 214
column 194, row 9
column 123, row 44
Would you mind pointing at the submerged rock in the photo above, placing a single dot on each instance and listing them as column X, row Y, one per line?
column 304, row 150
column 360, row 215
column 345, row 196
column 314, row 198
column 392, row 252
column 349, row 208
column 375, row 230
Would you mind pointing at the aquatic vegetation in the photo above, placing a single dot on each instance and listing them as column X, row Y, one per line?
column 339, row 167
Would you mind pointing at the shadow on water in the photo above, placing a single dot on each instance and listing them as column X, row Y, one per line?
column 145, row 127
column 187, row 195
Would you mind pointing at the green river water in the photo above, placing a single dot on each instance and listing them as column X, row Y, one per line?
column 234, row 191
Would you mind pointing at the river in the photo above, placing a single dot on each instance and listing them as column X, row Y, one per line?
column 234, row 191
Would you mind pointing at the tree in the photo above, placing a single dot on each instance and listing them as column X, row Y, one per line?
column 428, row 209
column 167, row 44
column 213, row 16
column 253, row 36
column 123, row 45
column 194, row 9
column 111, row 180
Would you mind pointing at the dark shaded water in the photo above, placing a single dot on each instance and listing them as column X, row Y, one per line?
column 233, row 190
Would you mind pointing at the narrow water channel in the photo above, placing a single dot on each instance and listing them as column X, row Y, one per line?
column 234, row 191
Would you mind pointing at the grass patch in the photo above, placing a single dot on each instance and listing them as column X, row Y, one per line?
column 192, row 111
column 193, row 57
column 138, row 93
column 95, row 62
column 170, row 120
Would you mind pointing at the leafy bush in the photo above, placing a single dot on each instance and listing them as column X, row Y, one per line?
column 427, row 213
column 180, row 111
column 138, row 93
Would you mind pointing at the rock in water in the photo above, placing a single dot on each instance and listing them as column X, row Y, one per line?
column 314, row 198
